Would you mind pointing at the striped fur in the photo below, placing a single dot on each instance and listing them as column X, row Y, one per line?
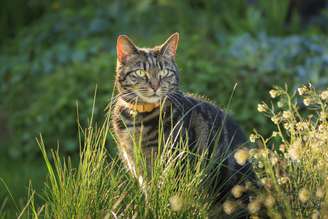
column 206, row 126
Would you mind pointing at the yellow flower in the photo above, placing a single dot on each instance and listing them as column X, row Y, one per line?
column 308, row 101
column 253, row 152
column 288, row 126
column 320, row 193
column 322, row 128
column 275, row 119
column 274, row 159
column 283, row 180
column 315, row 214
column 323, row 116
column 267, row 183
column 237, row 191
column 176, row 203
column 287, row 115
column 252, row 138
column 254, row 206
column 324, row 95
column 262, row 107
column 229, row 207
column 302, row 90
column 260, row 165
column 241, row 156
column 269, row 201
column 304, row 195
column 301, row 126
column 274, row 93
column 282, row 147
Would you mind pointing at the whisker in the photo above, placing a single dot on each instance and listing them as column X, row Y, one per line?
column 174, row 101
column 123, row 95
column 174, row 98
column 115, row 98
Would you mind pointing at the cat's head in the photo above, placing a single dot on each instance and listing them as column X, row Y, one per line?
column 146, row 75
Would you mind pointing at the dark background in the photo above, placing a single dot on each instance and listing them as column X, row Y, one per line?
column 54, row 53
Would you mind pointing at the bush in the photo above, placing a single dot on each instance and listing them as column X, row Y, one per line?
column 52, row 109
column 255, row 63
column 51, row 68
column 276, row 17
column 62, row 57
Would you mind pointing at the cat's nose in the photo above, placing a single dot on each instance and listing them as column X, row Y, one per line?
column 154, row 84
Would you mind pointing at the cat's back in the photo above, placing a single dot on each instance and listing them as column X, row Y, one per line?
column 207, row 121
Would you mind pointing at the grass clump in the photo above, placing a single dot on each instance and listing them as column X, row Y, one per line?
column 292, row 163
column 99, row 186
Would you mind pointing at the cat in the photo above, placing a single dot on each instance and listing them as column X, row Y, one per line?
column 147, row 76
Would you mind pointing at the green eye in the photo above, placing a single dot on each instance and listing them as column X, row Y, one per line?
column 164, row 73
column 141, row 73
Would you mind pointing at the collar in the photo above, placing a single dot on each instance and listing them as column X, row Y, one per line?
column 141, row 108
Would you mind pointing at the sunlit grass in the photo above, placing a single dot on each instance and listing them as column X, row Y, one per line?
column 101, row 187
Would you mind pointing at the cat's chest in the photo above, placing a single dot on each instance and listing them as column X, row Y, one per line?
column 131, row 125
column 131, row 118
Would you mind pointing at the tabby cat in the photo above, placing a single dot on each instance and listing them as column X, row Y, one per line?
column 145, row 77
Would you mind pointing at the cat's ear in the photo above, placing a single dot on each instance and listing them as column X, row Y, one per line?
column 170, row 46
column 124, row 48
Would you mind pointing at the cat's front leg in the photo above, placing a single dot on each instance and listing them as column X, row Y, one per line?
column 128, row 160
column 128, row 156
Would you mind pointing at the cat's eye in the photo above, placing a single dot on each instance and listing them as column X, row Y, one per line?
column 164, row 73
column 141, row 73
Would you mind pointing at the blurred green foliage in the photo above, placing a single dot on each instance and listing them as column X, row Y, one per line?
column 58, row 61
column 233, row 16
column 15, row 179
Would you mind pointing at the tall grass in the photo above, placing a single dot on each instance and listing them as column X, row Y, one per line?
column 100, row 186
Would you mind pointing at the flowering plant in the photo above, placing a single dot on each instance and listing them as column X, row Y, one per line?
column 292, row 163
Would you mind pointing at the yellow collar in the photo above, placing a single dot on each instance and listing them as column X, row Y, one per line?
column 141, row 108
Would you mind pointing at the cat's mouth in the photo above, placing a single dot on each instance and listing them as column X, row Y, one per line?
column 151, row 98
column 154, row 98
